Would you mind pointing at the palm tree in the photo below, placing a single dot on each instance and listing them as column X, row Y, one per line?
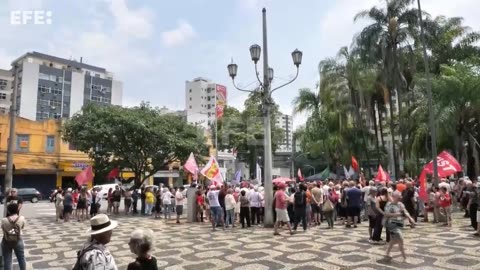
column 379, row 43
column 307, row 101
column 449, row 40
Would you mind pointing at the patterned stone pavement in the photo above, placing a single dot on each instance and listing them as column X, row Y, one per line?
column 194, row 246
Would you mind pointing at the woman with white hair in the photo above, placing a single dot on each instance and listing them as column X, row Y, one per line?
column 141, row 244
column 395, row 213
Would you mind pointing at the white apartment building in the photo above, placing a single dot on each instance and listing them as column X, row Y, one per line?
column 53, row 87
column 6, row 81
column 285, row 122
column 200, row 102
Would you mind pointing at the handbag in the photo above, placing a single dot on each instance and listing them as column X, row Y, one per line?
column 327, row 206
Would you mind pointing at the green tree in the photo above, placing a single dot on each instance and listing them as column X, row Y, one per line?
column 243, row 130
column 140, row 138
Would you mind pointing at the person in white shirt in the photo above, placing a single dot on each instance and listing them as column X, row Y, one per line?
column 255, row 204
column 179, row 200
column 166, row 201
column 230, row 204
column 215, row 209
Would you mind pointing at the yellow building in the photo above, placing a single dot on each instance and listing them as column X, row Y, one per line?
column 42, row 159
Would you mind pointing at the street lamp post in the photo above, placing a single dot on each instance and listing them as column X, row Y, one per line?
column 255, row 51
column 11, row 137
column 433, row 131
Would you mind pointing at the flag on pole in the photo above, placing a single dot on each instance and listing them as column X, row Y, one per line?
column 351, row 172
column 345, row 171
column 300, row 176
column 447, row 165
column 237, row 178
column 382, row 176
column 212, row 171
column 191, row 166
column 84, row 176
column 258, row 174
column 355, row 164
column 114, row 173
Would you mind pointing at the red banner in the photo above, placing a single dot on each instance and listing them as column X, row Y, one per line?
column 446, row 164
column 221, row 94
column 382, row 176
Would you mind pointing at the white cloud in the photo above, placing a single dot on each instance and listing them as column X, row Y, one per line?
column 178, row 36
column 136, row 23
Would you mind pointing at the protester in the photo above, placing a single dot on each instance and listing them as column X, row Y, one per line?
column 380, row 204
column 67, row 205
column 281, row 209
column 12, row 241
column 200, row 204
column 95, row 200
column 94, row 254
column 158, row 203
column 135, row 197
column 109, row 201
column 445, row 204
column 354, row 204
column 216, row 210
column 59, row 205
column 255, row 205
column 395, row 213
column 408, row 199
column 166, row 200
column 473, row 204
column 127, row 201
column 230, row 208
column 317, row 197
column 82, row 205
column 13, row 198
column 179, row 201
column 116, row 198
column 329, row 205
column 141, row 244
column 149, row 201
column 371, row 210
column 300, row 207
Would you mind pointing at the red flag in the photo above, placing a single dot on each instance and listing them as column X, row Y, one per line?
column 114, row 173
column 84, row 176
column 382, row 176
column 355, row 164
column 422, row 192
column 446, row 164
column 300, row 176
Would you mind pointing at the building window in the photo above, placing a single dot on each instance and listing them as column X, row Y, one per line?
column 50, row 147
column 56, row 91
column 23, row 142
column 190, row 107
column 3, row 96
column 44, row 89
column 190, row 90
column 3, row 84
column 190, row 98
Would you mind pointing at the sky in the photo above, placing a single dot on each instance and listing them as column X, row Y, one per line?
column 154, row 46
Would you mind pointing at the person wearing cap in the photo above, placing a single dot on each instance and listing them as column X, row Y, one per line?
column 94, row 254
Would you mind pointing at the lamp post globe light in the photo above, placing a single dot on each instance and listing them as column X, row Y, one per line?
column 265, row 85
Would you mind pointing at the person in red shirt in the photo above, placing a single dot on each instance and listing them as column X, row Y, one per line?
column 281, row 202
column 445, row 202
column 200, row 205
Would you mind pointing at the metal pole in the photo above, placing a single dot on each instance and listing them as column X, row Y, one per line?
column 216, row 122
column 433, row 132
column 268, row 221
column 11, row 138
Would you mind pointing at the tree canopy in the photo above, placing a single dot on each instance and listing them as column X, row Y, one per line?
column 139, row 139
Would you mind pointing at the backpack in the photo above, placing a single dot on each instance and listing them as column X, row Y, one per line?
column 12, row 236
column 299, row 199
column 80, row 254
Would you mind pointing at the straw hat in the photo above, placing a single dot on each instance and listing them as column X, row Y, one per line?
column 100, row 224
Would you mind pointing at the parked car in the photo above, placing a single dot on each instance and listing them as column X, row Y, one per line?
column 29, row 194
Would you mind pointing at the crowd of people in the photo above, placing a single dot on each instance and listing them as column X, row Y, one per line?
column 385, row 205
